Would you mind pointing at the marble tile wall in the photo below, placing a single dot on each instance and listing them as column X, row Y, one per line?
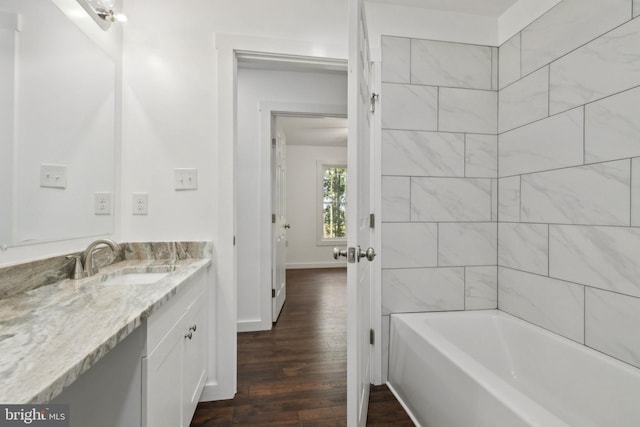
column 569, row 174
column 439, row 177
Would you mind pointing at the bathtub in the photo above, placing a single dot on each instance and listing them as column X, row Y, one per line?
column 487, row 368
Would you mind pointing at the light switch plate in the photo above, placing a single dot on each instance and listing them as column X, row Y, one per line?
column 102, row 203
column 53, row 176
column 140, row 204
column 186, row 179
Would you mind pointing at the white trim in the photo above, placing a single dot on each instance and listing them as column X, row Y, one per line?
column 376, row 204
column 306, row 265
column 224, row 370
column 331, row 242
column 288, row 62
column 225, row 256
column 251, row 325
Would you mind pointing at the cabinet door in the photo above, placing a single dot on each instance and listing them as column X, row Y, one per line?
column 162, row 381
column 195, row 357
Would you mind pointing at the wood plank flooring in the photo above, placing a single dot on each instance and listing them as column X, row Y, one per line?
column 295, row 374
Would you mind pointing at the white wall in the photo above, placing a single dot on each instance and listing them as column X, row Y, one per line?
column 303, row 250
column 321, row 22
column 256, row 88
column 170, row 122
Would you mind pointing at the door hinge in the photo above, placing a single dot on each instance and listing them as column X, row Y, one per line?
column 234, row 240
column 273, row 142
column 372, row 220
column 372, row 336
column 273, row 218
column 273, row 293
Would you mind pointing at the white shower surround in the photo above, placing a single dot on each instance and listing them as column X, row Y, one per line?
column 565, row 192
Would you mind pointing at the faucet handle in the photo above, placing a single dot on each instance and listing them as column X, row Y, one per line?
column 77, row 272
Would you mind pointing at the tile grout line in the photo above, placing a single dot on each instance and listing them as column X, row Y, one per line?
column 548, row 90
column 437, row 244
column 464, row 290
column 438, row 109
column 464, row 161
column 584, row 315
column 549, row 250
column 520, row 200
column 584, row 134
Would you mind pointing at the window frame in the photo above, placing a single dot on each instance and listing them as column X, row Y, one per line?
column 320, row 167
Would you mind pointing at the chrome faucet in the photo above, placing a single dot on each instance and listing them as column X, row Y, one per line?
column 87, row 256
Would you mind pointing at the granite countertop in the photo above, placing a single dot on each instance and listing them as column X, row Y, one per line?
column 50, row 335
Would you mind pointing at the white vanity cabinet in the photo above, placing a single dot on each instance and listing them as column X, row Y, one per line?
column 174, row 368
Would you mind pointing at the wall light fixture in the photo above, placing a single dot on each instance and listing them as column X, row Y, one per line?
column 102, row 12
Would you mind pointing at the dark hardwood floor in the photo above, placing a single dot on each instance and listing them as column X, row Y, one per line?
column 295, row 374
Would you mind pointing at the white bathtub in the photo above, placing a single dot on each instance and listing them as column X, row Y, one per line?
column 487, row 368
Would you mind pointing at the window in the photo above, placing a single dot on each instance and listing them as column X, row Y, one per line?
column 333, row 203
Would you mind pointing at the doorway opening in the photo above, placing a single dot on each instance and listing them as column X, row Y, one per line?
column 272, row 95
column 308, row 176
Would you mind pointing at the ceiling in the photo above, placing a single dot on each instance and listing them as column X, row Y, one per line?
column 310, row 130
column 494, row 8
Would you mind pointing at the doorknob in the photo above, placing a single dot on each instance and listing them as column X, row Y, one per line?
column 337, row 253
column 369, row 254
column 287, row 226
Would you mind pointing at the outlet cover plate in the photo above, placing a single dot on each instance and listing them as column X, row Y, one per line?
column 102, row 203
column 186, row 179
column 53, row 176
column 140, row 204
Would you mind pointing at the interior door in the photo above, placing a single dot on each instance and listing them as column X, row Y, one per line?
column 359, row 231
column 279, row 226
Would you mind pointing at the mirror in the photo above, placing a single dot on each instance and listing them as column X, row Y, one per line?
column 57, row 127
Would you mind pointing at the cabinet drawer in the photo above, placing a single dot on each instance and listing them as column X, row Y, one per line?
column 165, row 318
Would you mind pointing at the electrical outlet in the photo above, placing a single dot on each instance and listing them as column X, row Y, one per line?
column 186, row 179
column 140, row 204
column 53, row 176
column 102, row 203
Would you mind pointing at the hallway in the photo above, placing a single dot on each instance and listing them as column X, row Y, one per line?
column 295, row 374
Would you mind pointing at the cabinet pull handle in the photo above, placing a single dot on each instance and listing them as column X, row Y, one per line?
column 189, row 335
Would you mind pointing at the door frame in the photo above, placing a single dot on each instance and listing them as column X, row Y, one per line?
column 223, row 384
column 269, row 109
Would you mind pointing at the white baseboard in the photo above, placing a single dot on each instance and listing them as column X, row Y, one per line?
column 253, row 325
column 301, row 265
column 212, row 391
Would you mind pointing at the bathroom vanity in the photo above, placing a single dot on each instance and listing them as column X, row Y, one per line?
column 125, row 347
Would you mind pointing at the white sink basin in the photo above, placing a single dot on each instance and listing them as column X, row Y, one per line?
column 134, row 278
